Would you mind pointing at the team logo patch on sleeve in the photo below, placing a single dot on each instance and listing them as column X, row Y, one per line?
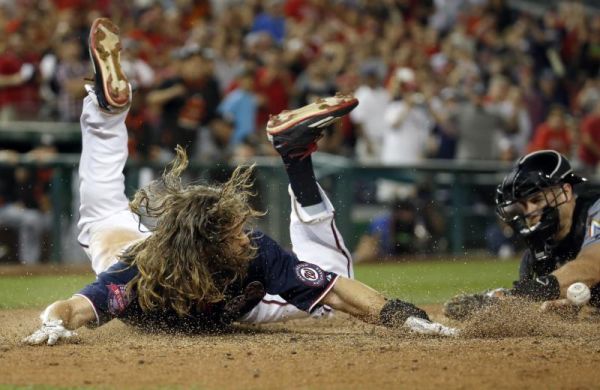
column 595, row 228
column 118, row 299
column 310, row 274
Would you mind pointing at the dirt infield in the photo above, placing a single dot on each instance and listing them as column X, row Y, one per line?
column 333, row 354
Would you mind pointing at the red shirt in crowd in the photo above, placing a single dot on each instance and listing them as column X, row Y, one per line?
column 549, row 138
column 9, row 65
column 591, row 126
column 25, row 96
column 275, row 92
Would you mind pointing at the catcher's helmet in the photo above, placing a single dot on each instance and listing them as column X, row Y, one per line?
column 531, row 174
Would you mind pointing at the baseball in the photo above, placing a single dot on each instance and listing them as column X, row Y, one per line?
column 578, row 293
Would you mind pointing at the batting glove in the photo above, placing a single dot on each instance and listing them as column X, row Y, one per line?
column 51, row 331
column 423, row 326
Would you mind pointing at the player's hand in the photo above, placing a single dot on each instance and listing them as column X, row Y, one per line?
column 423, row 326
column 51, row 331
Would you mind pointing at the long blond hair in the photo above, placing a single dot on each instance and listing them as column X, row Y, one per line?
column 188, row 260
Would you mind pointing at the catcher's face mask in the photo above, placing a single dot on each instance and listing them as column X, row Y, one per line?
column 536, row 219
column 529, row 197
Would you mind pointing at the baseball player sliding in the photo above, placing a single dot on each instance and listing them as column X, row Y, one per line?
column 200, row 267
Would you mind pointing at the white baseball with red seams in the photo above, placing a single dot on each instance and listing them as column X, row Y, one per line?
column 579, row 294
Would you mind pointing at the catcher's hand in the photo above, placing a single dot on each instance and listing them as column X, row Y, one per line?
column 562, row 307
column 51, row 331
column 463, row 306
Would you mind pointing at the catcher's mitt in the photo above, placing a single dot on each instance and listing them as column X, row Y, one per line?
column 463, row 306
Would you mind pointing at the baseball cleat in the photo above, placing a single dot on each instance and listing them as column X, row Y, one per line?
column 295, row 133
column 111, row 86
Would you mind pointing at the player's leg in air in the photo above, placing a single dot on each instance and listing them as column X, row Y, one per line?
column 106, row 224
column 315, row 237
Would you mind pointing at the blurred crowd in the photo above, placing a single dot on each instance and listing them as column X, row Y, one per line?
column 444, row 79
column 464, row 79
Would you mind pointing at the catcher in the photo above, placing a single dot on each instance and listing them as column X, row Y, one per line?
column 200, row 268
column 560, row 229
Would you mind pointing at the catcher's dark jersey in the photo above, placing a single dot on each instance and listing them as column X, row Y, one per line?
column 273, row 270
column 585, row 230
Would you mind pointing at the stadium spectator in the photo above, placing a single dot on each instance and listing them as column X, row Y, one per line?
column 271, row 20
column 369, row 115
column 444, row 111
column 69, row 78
column 24, row 202
column 589, row 148
column 500, row 240
column 407, row 228
column 532, row 97
column 588, row 96
column 137, row 70
column 479, row 130
column 187, row 100
column 228, row 64
column 239, row 109
column 505, row 101
column 553, row 133
column 313, row 83
column 552, row 92
column 390, row 235
column 19, row 97
column 272, row 86
column 143, row 125
column 551, row 58
column 408, row 122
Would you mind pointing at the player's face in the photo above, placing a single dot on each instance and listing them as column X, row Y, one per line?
column 532, row 208
column 534, row 205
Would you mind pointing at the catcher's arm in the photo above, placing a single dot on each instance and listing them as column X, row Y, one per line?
column 585, row 268
column 60, row 318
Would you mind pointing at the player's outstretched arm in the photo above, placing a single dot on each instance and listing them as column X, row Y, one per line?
column 356, row 299
column 584, row 268
column 60, row 319
column 367, row 304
